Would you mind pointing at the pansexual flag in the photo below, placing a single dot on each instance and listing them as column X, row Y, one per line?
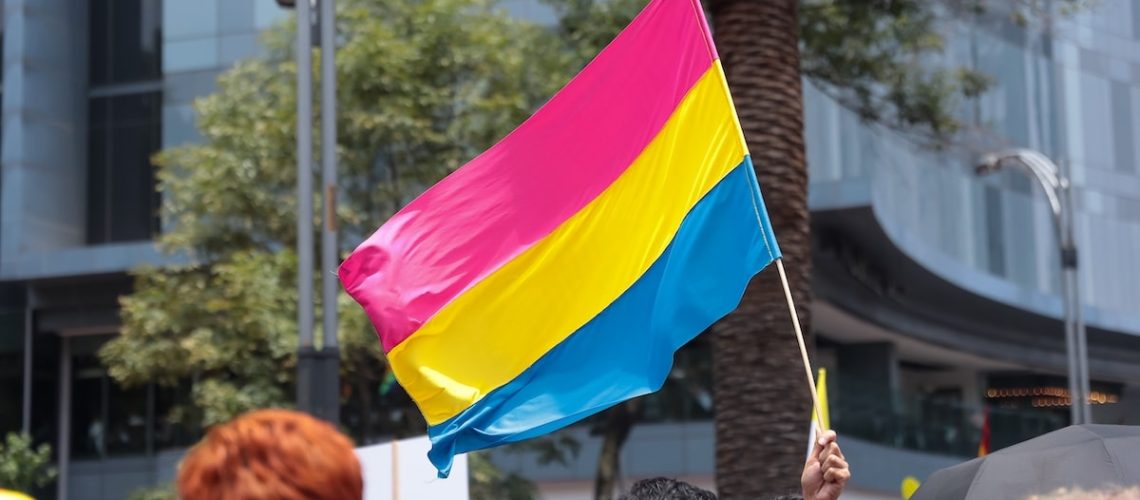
column 555, row 274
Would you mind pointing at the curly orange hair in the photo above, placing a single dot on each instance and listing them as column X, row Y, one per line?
column 272, row 454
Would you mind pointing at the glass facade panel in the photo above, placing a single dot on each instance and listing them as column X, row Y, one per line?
column 127, row 419
column 126, row 41
column 45, row 388
column 182, row 19
column 124, row 119
column 190, row 55
column 175, row 424
column 1006, row 105
column 1122, row 124
column 11, row 371
column 122, row 203
column 88, row 419
column 108, row 420
column 266, row 13
column 995, row 235
column 235, row 48
column 178, row 125
column 1136, row 22
column 236, row 17
column 1096, row 117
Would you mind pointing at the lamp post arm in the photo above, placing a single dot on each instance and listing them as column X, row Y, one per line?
column 1046, row 174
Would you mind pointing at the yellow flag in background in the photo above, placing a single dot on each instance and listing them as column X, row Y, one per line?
column 821, row 392
column 821, row 395
column 13, row 495
column 909, row 485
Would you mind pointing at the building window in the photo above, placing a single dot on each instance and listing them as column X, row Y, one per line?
column 109, row 420
column 126, row 41
column 124, row 120
column 106, row 419
column 124, row 132
column 11, row 371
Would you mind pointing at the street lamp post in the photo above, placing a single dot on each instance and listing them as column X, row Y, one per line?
column 318, row 369
column 306, row 351
column 1058, row 192
column 330, row 251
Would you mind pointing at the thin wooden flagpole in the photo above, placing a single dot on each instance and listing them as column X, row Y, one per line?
column 395, row 470
column 803, row 346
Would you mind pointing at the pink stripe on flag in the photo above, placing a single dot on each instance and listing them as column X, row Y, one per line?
column 517, row 192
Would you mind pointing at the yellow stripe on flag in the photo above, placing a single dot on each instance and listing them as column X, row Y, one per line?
column 494, row 331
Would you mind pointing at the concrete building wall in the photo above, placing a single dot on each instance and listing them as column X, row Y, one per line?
column 44, row 127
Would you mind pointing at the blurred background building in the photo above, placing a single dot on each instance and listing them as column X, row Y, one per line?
column 937, row 291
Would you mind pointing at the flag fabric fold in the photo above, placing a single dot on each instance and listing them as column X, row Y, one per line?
column 556, row 274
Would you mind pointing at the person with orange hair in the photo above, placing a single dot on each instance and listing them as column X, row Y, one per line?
column 272, row 454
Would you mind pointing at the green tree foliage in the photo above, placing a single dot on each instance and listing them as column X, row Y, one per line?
column 23, row 466
column 162, row 492
column 873, row 57
column 490, row 483
column 422, row 85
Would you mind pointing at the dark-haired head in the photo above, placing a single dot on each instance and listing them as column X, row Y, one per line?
column 662, row 488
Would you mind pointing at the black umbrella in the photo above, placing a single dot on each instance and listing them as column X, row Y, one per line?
column 1088, row 457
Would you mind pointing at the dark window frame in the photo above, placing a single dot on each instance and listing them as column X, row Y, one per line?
column 118, row 52
column 123, row 202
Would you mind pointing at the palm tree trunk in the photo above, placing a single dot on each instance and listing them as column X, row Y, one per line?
column 762, row 400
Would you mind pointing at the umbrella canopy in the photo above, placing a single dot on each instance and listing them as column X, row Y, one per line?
column 1088, row 457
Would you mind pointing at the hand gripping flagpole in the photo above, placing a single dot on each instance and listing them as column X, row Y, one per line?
column 803, row 345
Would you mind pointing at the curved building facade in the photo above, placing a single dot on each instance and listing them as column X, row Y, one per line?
column 939, row 289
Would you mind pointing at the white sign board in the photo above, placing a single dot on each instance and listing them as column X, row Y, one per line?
column 400, row 470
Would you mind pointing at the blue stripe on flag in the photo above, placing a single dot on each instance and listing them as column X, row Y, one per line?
column 627, row 350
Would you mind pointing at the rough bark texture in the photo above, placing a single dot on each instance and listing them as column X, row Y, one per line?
column 762, row 399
